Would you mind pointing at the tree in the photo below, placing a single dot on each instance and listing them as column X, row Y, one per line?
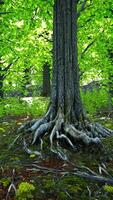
column 65, row 120
column 46, row 80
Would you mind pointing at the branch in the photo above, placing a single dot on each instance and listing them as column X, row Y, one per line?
column 3, row 13
column 8, row 67
column 82, row 8
column 44, row 35
column 88, row 46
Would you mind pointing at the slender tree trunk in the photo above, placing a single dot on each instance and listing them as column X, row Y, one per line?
column 110, row 86
column 1, row 83
column 26, row 82
column 46, row 80
column 110, row 82
column 1, row 88
column 65, row 86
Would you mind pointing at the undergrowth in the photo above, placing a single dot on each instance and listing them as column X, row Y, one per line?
column 23, row 107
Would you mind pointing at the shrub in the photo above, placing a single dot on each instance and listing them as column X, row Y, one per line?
column 24, row 191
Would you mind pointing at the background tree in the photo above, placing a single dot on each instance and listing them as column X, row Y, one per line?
column 46, row 80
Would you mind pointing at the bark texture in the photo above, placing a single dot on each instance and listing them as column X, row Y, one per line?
column 65, row 87
column 46, row 80
column 1, row 84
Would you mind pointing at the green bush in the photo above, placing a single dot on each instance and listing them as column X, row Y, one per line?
column 18, row 107
column 95, row 100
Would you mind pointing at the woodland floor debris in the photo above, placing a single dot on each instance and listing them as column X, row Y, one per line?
column 53, row 177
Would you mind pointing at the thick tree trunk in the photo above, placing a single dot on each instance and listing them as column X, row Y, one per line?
column 65, row 87
column 64, row 122
column 46, row 80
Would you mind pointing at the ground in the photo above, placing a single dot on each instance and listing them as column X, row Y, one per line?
column 53, row 178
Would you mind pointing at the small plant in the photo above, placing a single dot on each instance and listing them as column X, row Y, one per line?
column 108, row 188
column 24, row 191
column 5, row 181
column 63, row 196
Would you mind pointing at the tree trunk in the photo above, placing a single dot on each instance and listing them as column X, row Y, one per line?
column 1, row 88
column 64, row 122
column 1, row 84
column 46, row 80
column 110, row 82
column 65, row 86
column 26, row 82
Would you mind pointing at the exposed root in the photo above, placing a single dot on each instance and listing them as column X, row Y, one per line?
column 81, row 136
column 62, row 134
column 42, row 129
column 27, row 150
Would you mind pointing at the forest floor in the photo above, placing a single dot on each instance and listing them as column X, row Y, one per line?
column 53, row 178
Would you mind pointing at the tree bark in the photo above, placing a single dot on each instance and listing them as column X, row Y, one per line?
column 1, row 83
column 65, row 86
column 46, row 80
column 1, row 87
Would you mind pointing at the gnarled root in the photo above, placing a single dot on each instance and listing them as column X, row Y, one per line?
column 62, row 133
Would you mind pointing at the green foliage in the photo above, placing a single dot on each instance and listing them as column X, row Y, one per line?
column 49, row 184
column 108, row 188
column 25, row 191
column 38, row 106
column 95, row 100
column 62, row 196
column 5, row 181
column 27, row 35
column 63, row 187
column 18, row 107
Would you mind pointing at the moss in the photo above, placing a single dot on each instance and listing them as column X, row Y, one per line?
column 108, row 188
column 25, row 191
column 5, row 181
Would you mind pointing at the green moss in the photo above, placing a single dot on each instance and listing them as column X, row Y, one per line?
column 25, row 191
column 63, row 196
column 108, row 188
column 5, row 181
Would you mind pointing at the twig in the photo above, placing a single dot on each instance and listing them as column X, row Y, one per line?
column 12, row 144
column 3, row 13
column 88, row 46
column 12, row 186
